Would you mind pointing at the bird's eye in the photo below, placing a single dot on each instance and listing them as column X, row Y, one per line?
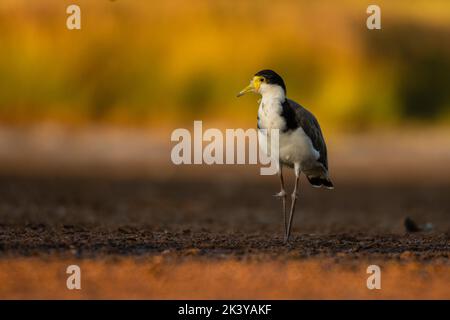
column 261, row 79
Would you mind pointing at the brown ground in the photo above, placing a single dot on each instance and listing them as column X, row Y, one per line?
column 91, row 216
column 159, row 277
column 198, row 232
column 184, row 238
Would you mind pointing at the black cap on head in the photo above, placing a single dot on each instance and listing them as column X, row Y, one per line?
column 272, row 78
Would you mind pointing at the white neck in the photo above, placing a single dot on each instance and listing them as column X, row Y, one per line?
column 272, row 92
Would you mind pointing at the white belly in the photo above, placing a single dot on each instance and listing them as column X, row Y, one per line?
column 294, row 146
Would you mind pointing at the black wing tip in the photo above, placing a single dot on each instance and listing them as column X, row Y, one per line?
column 318, row 182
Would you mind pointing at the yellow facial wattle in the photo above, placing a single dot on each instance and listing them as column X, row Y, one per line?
column 254, row 85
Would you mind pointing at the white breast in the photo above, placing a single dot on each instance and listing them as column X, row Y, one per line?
column 269, row 114
column 295, row 146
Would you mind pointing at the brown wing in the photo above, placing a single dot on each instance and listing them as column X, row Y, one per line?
column 311, row 127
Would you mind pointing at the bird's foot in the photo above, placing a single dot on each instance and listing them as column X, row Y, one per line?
column 286, row 239
column 280, row 194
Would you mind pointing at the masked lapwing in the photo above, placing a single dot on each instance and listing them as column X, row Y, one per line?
column 301, row 143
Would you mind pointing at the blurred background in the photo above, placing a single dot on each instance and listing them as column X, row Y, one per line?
column 138, row 69
column 141, row 62
column 86, row 118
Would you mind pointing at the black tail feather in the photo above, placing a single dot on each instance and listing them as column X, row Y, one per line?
column 319, row 182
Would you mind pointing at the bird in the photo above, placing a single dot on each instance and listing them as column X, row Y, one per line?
column 301, row 143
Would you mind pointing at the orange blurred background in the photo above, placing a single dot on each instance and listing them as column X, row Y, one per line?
column 164, row 63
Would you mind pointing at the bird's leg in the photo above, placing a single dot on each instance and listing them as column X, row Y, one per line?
column 294, row 200
column 282, row 195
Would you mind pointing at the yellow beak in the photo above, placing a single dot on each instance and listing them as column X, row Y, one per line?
column 250, row 88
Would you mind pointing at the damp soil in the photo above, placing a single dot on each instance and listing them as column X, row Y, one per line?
column 216, row 218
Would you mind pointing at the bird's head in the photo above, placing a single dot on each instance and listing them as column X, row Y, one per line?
column 266, row 82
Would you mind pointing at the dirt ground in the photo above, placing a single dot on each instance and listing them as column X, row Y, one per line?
column 161, row 277
column 184, row 238
column 192, row 232
column 91, row 216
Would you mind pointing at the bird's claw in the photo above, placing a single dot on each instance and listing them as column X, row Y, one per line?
column 280, row 194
